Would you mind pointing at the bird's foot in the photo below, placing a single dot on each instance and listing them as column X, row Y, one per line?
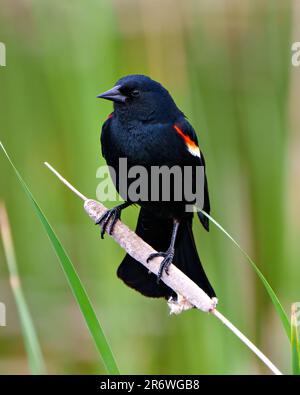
column 166, row 262
column 109, row 217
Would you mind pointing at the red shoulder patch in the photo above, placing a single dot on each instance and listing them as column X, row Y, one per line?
column 191, row 145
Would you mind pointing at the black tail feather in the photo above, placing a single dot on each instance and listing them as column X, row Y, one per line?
column 187, row 259
column 206, row 207
column 157, row 232
column 204, row 220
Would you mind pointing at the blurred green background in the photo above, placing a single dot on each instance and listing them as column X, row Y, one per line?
column 228, row 66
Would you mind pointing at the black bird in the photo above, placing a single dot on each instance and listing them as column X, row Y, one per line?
column 148, row 129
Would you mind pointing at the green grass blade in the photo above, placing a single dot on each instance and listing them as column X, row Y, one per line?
column 295, row 322
column 74, row 282
column 33, row 349
column 280, row 311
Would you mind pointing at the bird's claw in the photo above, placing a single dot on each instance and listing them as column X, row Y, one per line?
column 110, row 216
column 166, row 262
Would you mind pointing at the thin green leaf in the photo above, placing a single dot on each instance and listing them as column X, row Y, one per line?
column 295, row 339
column 74, row 282
column 33, row 349
column 280, row 311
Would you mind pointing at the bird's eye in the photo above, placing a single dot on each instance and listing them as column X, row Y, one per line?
column 135, row 93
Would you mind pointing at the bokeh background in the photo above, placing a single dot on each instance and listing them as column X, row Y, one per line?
column 228, row 66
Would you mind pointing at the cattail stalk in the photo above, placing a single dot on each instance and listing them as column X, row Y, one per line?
column 189, row 293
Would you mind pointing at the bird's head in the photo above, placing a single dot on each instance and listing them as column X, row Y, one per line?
column 140, row 98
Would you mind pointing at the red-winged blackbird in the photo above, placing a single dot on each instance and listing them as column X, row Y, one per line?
column 148, row 129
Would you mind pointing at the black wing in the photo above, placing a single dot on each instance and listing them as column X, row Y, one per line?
column 104, row 137
column 206, row 205
column 189, row 131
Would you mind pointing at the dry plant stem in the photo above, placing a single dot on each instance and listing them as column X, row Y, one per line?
column 246, row 341
column 176, row 279
column 62, row 179
column 139, row 250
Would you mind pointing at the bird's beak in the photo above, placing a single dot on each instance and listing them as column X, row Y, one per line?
column 113, row 94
